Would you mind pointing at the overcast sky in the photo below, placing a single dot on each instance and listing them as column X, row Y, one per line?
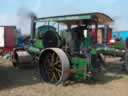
column 117, row 9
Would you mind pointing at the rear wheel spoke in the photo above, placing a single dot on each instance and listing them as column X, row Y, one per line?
column 54, row 79
column 57, row 62
column 53, row 57
column 58, row 70
column 58, row 73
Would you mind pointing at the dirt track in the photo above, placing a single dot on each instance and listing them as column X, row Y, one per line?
column 15, row 82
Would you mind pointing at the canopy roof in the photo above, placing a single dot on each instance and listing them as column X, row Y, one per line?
column 74, row 19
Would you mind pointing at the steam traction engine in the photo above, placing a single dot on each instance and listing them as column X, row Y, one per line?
column 63, row 54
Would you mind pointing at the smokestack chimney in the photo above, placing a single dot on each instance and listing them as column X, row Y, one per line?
column 33, row 26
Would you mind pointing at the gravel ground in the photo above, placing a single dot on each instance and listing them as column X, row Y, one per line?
column 27, row 82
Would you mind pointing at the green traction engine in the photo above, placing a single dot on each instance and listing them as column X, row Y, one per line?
column 62, row 54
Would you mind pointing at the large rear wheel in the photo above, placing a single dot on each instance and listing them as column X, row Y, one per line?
column 53, row 65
